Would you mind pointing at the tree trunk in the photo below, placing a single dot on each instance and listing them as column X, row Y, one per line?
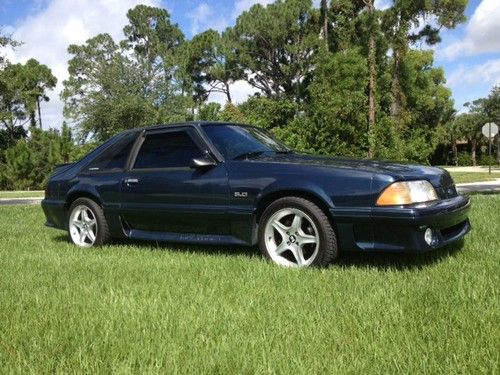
column 498, row 148
column 32, row 118
column 372, row 82
column 324, row 15
column 400, row 46
column 473, row 152
column 39, row 112
column 228, row 93
column 454, row 151
column 397, row 91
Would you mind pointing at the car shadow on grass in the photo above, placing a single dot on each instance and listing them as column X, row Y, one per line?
column 378, row 260
column 399, row 261
column 216, row 250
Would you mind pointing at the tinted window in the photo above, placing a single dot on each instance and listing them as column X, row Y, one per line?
column 115, row 156
column 167, row 150
column 233, row 140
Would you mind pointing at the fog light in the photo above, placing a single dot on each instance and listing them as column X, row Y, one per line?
column 429, row 236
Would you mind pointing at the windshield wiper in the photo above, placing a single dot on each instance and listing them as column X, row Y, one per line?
column 284, row 152
column 247, row 155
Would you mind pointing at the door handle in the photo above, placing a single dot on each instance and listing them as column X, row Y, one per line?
column 131, row 181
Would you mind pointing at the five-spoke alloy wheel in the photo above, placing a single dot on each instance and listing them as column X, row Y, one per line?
column 86, row 223
column 294, row 232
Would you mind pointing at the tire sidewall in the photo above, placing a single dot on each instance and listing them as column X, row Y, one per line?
column 314, row 212
column 98, row 215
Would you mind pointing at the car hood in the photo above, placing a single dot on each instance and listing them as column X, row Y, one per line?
column 398, row 171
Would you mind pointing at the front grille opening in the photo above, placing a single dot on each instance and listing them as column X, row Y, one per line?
column 453, row 231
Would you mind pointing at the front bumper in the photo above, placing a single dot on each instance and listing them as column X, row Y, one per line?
column 401, row 229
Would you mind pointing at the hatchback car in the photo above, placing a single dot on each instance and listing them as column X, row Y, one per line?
column 223, row 183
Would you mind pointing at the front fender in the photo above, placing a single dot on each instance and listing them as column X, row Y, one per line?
column 297, row 187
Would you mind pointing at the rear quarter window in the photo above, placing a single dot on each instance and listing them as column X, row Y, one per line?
column 115, row 156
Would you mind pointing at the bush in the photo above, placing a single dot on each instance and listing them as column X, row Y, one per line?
column 485, row 159
column 464, row 159
column 29, row 163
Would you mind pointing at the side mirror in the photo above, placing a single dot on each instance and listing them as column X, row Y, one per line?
column 204, row 162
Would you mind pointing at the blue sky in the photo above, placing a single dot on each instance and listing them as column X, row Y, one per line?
column 469, row 54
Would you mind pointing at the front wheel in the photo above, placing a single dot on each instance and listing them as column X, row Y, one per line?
column 87, row 225
column 295, row 232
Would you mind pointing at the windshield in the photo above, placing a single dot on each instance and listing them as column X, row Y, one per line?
column 234, row 141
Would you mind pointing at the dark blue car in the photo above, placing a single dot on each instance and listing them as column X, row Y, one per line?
column 222, row 183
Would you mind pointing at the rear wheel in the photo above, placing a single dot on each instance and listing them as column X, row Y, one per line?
column 87, row 225
column 295, row 232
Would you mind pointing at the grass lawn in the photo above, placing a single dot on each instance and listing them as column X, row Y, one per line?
column 463, row 177
column 146, row 308
column 22, row 194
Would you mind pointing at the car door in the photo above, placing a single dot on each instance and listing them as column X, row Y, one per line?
column 161, row 192
column 104, row 173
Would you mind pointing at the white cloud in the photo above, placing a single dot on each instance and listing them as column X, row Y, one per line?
column 487, row 73
column 382, row 4
column 240, row 91
column 242, row 5
column 203, row 17
column 481, row 34
column 47, row 34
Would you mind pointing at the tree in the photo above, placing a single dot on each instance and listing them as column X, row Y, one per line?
column 12, row 104
column 344, row 17
column 38, row 78
column 372, row 70
column 29, row 163
column 276, row 47
column 155, row 42
column 324, row 21
column 209, row 112
column 22, row 87
column 268, row 113
column 492, row 110
column 210, row 60
column 337, row 106
column 6, row 41
column 403, row 27
column 113, row 87
column 104, row 93
column 469, row 125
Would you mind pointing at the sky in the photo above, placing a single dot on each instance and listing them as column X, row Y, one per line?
column 469, row 54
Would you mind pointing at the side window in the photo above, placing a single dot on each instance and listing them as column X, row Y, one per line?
column 167, row 150
column 115, row 156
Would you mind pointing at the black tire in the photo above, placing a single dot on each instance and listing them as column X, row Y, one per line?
column 102, row 235
column 327, row 250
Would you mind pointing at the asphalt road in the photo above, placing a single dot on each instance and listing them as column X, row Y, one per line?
column 15, row 201
column 480, row 187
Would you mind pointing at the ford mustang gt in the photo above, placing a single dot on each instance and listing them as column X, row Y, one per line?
column 224, row 183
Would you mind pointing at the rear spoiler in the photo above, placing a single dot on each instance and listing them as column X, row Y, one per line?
column 57, row 166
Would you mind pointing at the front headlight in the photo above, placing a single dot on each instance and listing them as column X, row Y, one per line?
column 407, row 192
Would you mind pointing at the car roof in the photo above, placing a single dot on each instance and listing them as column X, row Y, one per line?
column 187, row 123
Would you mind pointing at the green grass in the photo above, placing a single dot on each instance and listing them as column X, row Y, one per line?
column 21, row 194
column 143, row 308
column 464, row 177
